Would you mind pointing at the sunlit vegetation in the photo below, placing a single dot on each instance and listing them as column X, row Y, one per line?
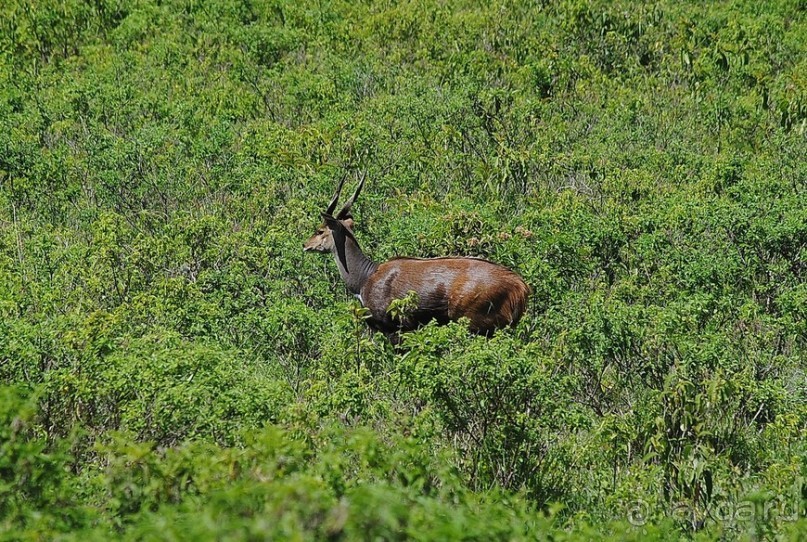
column 172, row 366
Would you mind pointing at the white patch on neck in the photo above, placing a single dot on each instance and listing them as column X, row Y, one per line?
column 358, row 296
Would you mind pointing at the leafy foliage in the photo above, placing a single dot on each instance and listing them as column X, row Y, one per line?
column 172, row 365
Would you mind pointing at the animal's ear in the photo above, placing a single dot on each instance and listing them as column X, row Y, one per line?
column 338, row 225
column 340, row 234
column 328, row 219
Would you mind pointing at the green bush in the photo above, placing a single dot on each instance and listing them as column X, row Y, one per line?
column 173, row 366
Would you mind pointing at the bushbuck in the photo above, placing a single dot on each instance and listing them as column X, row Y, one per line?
column 445, row 289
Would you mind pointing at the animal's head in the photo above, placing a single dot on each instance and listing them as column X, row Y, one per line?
column 323, row 239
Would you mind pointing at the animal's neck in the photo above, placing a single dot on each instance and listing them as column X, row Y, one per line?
column 359, row 267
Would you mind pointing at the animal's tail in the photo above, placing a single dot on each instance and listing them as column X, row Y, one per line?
column 518, row 301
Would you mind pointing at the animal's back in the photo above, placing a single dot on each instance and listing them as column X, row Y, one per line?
column 490, row 295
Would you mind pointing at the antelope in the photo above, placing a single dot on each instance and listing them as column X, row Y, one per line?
column 445, row 289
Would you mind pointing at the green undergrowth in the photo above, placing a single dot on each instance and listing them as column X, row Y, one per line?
column 172, row 366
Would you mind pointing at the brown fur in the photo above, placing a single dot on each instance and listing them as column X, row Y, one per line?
column 489, row 295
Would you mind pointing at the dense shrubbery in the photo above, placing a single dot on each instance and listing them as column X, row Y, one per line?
column 173, row 366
